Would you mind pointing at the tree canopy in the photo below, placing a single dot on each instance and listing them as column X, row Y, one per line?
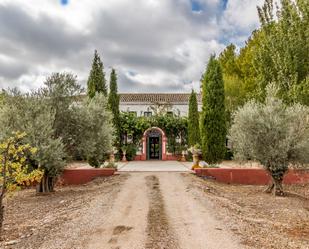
column 276, row 53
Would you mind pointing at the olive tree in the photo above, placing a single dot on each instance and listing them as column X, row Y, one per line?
column 272, row 133
column 62, row 91
column 32, row 114
column 84, row 126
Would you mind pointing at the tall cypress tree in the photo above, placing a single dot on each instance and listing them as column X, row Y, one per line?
column 113, row 101
column 193, row 121
column 96, row 80
column 213, row 122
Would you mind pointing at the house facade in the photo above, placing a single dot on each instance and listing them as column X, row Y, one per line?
column 154, row 141
column 148, row 104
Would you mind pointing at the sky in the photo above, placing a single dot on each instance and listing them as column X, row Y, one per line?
column 154, row 45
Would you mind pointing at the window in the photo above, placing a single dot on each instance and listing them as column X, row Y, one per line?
column 147, row 114
column 170, row 114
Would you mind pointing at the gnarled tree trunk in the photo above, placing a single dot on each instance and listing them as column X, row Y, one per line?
column 3, row 187
column 46, row 185
column 276, row 184
column 1, row 214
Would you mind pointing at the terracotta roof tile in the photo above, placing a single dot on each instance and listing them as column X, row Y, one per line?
column 157, row 97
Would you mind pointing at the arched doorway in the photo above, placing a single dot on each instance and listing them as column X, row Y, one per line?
column 154, row 144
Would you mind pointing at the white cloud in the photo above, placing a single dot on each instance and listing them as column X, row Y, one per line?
column 240, row 17
column 163, row 42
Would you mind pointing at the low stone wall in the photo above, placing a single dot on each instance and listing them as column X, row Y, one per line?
column 82, row 176
column 251, row 176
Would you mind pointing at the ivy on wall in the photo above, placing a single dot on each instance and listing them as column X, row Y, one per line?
column 175, row 128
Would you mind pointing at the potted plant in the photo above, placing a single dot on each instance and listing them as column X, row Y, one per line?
column 196, row 152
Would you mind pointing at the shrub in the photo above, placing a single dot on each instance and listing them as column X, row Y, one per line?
column 93, row 161
column 130, row 152
column 111, row 165
column 14, row 167
column 97, row 128
column 272, row 133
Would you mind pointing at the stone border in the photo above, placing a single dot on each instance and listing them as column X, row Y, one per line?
column 251, row 176
column 82, row 176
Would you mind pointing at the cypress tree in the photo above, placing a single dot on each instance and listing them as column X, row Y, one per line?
column 193, row 121
column 113, row 101
column 213, row 122
column 96, row 80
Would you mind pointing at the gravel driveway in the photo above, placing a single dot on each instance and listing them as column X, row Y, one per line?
column 145, row 210
column 153, row 210
column 149, row 210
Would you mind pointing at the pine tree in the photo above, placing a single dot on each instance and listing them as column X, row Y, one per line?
column 96, row 80
column 113, row 101
column 213, row 122
column 193, row 121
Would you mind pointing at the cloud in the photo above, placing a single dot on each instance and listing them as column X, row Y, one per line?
column 154, row 45
column 42, row 36
column 11, row 68
column 239, row 19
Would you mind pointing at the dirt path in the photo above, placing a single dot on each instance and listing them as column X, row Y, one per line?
column 125, row 224
column 154, row 210
column 139, row 211
column 192, row 218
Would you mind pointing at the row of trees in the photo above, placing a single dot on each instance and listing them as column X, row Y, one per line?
column 261, row 94
column 269, row 77
column 276, row 53
column 212, row 122
column 97, row 84
column 41, row 130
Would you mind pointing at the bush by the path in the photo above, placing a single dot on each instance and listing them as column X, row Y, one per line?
column 272, row 133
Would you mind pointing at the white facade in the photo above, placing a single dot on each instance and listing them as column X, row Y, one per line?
column 141, row 108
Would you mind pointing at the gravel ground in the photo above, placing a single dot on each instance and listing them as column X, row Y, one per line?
column 261, row 220
column 56, row 220
column 157, row 210
column 141, row 210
